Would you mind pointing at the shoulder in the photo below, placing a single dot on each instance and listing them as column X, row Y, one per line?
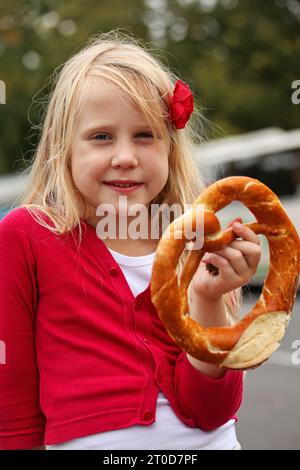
column 21, row 232
column 20, row 224
column 21, row 220
column 14, row 219
column 32, row 226
column 15, row 244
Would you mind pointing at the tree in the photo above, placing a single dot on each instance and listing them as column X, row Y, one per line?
column 239, row 57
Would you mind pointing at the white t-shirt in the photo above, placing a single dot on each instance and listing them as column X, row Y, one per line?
column 168, row 431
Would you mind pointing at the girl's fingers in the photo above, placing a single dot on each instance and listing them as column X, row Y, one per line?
column 236, row 219
column 240, row 258
column 251, row 251
column 235, row 257
column 245, row 232
column 221, row 263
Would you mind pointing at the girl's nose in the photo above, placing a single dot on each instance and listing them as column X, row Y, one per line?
column 124, row 156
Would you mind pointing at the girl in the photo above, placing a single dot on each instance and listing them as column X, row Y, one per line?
column 89, row 365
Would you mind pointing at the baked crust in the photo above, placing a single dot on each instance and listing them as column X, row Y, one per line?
column 252, row 340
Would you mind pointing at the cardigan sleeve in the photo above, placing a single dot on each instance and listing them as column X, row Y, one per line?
column 22, row 422
column 209, row 402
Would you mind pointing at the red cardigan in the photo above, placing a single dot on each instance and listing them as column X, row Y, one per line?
column 83, row 355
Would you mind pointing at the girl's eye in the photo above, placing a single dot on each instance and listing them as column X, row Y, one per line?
column 102, row 136
column 99, row 136
column 146, row 134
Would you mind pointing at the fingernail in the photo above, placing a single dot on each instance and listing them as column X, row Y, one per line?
column 237, row 225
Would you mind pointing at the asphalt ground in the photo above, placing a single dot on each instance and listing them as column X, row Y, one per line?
column 269, row 417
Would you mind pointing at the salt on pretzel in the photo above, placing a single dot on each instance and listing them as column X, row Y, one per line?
column 251, row 341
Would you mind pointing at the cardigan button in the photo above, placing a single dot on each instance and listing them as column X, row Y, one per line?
column 137, row 305
column 114, row 271
column 148, row 416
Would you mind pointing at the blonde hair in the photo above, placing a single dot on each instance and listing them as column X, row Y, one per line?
column 130, row 64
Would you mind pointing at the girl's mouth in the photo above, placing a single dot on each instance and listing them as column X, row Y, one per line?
column 124, row 187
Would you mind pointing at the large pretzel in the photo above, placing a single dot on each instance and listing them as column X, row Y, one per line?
column 251, row 341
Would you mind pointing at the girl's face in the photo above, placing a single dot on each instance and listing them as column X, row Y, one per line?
column 114, row 142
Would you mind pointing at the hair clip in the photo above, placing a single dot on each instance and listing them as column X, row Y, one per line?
column 181, row 105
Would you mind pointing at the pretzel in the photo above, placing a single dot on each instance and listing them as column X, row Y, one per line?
column 251, row 341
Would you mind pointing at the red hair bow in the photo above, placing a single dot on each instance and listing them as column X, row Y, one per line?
column 181, row 105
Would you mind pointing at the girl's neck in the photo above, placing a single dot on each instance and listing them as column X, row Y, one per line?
column 127, row 245
column 132, row 247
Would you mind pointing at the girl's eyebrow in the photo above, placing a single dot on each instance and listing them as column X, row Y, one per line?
column 111, row 126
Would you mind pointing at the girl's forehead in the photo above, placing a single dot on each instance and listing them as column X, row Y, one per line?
column 102, row 92
column 101, row 98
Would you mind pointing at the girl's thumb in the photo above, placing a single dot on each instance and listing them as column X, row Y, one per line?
column 237, row 219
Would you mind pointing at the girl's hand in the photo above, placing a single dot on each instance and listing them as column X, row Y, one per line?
column 237, row 263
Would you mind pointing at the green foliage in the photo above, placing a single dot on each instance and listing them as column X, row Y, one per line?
column 240, row 57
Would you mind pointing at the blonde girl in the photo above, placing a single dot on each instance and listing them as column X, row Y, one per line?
column 91, row 363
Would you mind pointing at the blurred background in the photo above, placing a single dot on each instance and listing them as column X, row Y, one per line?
column 242, row 61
